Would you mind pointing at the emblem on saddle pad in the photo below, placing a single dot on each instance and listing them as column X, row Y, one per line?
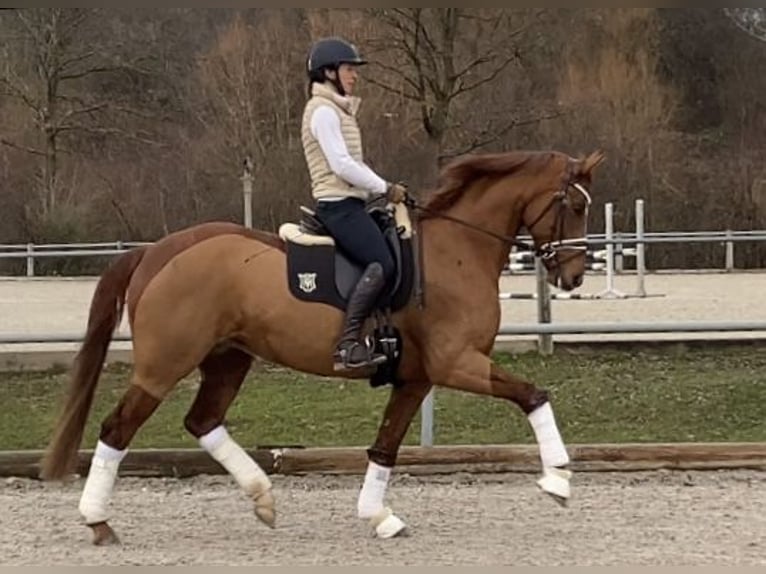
column 307, row 282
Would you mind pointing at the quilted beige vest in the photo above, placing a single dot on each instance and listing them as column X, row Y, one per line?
column 324, row 183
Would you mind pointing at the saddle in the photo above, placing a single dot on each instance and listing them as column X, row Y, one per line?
column 320, row 272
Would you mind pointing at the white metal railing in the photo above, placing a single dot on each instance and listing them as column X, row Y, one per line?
column 32, row 251
column 615, row 246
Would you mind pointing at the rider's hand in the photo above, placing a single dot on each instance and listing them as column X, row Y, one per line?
column 396, row 192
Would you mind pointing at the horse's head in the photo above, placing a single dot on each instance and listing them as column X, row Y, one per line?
column 557, row 220
column 545, row 192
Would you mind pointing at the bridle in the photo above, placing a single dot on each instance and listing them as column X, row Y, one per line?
column 546, row 251
column 551, row 249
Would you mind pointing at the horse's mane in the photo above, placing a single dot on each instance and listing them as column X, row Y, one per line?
column 456, row 175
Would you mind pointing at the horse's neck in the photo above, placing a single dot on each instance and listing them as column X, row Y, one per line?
column 494, row 210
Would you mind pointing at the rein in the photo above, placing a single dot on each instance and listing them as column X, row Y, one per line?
column 409, row 202
column 547, row 250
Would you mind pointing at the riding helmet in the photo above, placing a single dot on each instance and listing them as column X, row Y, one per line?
column 331, row 53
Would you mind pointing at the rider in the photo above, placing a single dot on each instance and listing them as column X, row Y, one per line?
column 341, row 183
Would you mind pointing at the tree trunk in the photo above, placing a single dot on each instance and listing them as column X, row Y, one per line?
column 50, row 175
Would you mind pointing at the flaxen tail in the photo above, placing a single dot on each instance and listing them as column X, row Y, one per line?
column 105, row 313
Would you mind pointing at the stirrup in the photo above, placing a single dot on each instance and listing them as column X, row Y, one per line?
column 342, row 357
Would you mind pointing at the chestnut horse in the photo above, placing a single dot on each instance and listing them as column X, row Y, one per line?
column 213, row 296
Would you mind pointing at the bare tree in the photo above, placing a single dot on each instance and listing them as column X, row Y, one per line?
column 620, row 79
column 50, row 71
column 252, row 90
column 436, row 57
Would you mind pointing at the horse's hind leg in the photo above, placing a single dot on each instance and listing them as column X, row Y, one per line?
column 154, row 376
column 222, row 376
column 117, row 430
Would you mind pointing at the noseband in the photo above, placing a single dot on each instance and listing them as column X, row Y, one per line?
column 551, row 249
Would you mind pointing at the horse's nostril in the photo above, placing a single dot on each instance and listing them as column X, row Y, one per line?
column 578, row 281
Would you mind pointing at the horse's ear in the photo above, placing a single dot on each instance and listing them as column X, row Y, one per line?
column 593, row 160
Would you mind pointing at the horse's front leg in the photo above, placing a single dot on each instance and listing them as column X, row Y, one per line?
column 402, row 406
column 474, row 372
column 536, row 404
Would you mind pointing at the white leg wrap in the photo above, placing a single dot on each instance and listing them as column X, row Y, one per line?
column 97, row 493
column 248, row 474
column 552, row 451
column 373, row 491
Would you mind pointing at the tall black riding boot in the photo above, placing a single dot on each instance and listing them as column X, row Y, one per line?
column 352, row 352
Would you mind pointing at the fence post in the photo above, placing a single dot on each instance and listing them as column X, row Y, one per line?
column 427, row 420
column 619, row 263
column 729, row 252
column 544, row 340
column 609, row 229
column 610, row 292
column 640, row 249
column 31, row 260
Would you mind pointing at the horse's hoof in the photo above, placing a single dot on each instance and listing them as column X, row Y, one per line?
column 387, row 525
column 555, row 483
column 103, row 535
column 264, row 509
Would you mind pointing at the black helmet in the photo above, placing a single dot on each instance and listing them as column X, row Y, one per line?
column 331, row 52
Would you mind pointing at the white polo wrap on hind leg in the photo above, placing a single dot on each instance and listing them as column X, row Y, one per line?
column 248, row 474
column 552, row 450
column 97, row 493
